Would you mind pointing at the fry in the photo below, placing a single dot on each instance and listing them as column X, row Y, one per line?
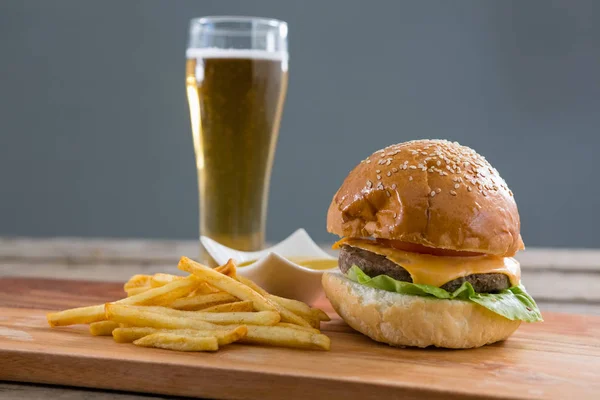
column 165, row 294
column 137, row 290
column 141, row 316
column 237, row 306
column 228, row 269
column 137, row 281
column 286, row 337
column 80, row 315
column 156, row 296
column 321, row 315
column 293, row 326
column 286, row 315
column 226, row 284
column 131, row 334
column 170, row 341
column 103, row 328
column 128, row 335
column 300, row 308
column 225, row 318
column 205, row 288
column 159, row 279
column 199, row 301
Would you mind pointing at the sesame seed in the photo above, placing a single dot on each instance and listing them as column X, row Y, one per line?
column 388, row 194
column 453, row 193
column 412, row 167
column 368, row 161
column 389, row 161
column 378, row 177
column 438, row 190
column 432, row 193
column 456, row 186
column 389, row 173
column 424, row 153
column 382, row 155
column 410, row 178
column 420, row 165
column 469, row 188
column 394, row 169
column 369, row 184
column 438, row 163
column 378, row 170
column 394, row 186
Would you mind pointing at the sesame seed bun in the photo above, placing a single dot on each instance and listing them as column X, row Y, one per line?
column 432, row 193
column 403, row 320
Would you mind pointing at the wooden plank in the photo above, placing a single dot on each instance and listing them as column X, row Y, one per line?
column 559, row 358
column 80, row 250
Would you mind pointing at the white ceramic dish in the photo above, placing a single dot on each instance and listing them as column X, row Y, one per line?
column 272, row 270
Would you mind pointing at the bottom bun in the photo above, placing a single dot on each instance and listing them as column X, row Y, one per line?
column 404, row 320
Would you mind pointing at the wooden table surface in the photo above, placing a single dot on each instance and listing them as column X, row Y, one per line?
column 564, row 280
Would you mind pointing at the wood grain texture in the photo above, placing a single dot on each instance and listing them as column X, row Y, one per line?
column 557, row 359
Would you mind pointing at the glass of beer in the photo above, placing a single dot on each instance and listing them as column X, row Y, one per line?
column 236, row 81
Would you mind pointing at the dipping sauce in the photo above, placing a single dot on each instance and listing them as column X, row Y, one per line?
column 307, row 262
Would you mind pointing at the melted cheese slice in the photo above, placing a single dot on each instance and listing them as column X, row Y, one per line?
column 436, row 271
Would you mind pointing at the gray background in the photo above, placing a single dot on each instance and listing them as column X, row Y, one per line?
column 94, row 126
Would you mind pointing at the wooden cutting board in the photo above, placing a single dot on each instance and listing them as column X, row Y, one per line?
column 558, row 359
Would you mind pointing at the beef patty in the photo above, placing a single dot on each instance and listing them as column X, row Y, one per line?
column 374, row 264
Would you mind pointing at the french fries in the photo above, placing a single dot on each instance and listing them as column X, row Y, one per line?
column 238, row 306
column 225, row 283
column 199, row 301
column 203, row 311
column 300, row 308
column 302, row 328
column 286, row 315
column 157, row 296
column 140, row 316
column 137, row 290
column 171, row 341
column 225, row 318
column 160, row 279
column 137, row 281
column 103, row 328
column 129, row 335
column 286, row 337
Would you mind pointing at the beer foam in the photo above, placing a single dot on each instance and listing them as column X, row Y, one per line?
column 236, row 53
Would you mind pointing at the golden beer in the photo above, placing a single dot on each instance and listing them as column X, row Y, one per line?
column 236, row 99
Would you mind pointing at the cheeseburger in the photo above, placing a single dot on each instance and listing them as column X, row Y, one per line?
column 429, row 229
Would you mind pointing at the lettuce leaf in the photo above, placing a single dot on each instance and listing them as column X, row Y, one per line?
column 513, row 303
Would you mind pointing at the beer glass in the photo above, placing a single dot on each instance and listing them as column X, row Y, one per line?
column 236, row 81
